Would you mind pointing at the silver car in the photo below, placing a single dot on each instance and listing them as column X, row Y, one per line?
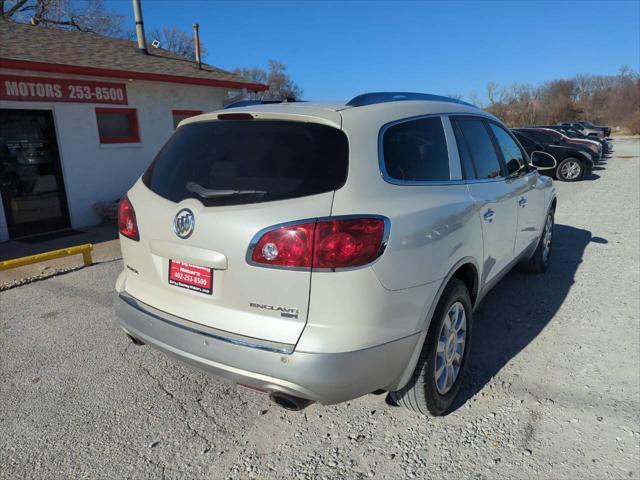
column 320, row 252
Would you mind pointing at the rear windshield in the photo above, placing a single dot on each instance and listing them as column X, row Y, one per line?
column 232, row 162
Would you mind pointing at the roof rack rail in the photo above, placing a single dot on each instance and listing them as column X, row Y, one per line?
column 384, row 97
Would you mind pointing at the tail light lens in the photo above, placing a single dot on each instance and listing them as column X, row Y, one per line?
column 347, row 243
column 127, row 224
column 332, row 243
column 287, row 246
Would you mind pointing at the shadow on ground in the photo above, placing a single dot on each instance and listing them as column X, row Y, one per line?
column 514, row 313
column 591, row 177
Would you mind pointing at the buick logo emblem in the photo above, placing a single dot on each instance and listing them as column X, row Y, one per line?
column 184, row 223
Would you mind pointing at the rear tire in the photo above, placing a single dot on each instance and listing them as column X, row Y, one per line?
column 541, row 258
column 570, row 170
column 430, row 391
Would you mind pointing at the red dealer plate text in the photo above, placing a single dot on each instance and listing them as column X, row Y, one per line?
column 34, row 89
column 191, row 277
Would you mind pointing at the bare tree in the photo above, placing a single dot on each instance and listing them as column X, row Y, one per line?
column 85, row 16
column 281, row 86
column 614, row 100
column 474, row 99
column 492, row 89
column 177, row 41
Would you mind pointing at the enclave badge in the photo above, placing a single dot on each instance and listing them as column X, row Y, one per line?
column 184, row 223
column 287, row 312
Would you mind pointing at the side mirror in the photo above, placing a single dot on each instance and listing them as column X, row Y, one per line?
column 542, row 160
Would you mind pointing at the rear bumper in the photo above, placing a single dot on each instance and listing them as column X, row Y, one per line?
column 323, row 377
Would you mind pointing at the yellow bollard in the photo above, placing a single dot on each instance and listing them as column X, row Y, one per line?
column 85, row 250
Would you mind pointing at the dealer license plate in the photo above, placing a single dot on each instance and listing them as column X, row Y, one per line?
column 191, row 277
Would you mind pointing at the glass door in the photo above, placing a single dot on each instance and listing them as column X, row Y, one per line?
column 31, row 180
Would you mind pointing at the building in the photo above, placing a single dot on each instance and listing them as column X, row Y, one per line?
column 82, row 115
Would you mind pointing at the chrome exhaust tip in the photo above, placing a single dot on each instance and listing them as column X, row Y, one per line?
column 134, row 340
column 290, row 402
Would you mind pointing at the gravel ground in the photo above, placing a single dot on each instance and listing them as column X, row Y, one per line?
column 553, row 390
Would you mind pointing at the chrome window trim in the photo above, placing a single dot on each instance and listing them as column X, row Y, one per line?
column 452, row 159
column 222, row 335
column 499, row 179
column 257, row 236
column 486, row 180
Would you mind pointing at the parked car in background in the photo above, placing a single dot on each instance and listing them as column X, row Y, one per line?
column 589, row 147
column 606, row 130
column 572, row 161
column 320, row 252
column 571, row 132
column 588, row 131
column 592, row 144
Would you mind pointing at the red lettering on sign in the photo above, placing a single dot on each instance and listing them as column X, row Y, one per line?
column 29, row 89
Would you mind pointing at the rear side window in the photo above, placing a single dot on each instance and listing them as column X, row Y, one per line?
column 540, row 136
column 511, row 152
column 416, row 151
column 554, row 134
column 248, row 161
column 480, row 146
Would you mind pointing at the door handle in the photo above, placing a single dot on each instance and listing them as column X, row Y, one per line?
column 488, row 215
column 522, row 202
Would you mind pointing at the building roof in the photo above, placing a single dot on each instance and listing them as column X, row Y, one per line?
column 28, row 47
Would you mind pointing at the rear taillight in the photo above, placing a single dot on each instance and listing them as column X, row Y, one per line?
column 325, row 243
column 127, row 224
column 347, row 243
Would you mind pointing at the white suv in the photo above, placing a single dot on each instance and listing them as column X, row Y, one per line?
column 320, row 252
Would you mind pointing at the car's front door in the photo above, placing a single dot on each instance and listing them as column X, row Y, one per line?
column 493, row 194
column 527, row 190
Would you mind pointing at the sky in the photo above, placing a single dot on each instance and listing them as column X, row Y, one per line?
column 336, row 50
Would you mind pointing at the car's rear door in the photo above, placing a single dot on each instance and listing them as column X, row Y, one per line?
column 210, row 190
column 493, row 194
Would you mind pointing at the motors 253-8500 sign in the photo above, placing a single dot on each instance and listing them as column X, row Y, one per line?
column 24, row 88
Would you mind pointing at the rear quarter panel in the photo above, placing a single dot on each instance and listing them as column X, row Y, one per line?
column 432, row 228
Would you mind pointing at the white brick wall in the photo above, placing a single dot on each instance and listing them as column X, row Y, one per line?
column 94, row 172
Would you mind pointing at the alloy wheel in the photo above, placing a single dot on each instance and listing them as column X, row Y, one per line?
column 571, row 170
column 450, row 350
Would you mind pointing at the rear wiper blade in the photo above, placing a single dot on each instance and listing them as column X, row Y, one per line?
column 212, row 193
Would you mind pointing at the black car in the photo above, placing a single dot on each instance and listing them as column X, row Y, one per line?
column 558, row 138
column 572, row 132
column 572, row 161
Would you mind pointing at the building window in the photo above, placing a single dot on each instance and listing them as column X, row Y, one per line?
column 179, row 115
column 118, row 125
